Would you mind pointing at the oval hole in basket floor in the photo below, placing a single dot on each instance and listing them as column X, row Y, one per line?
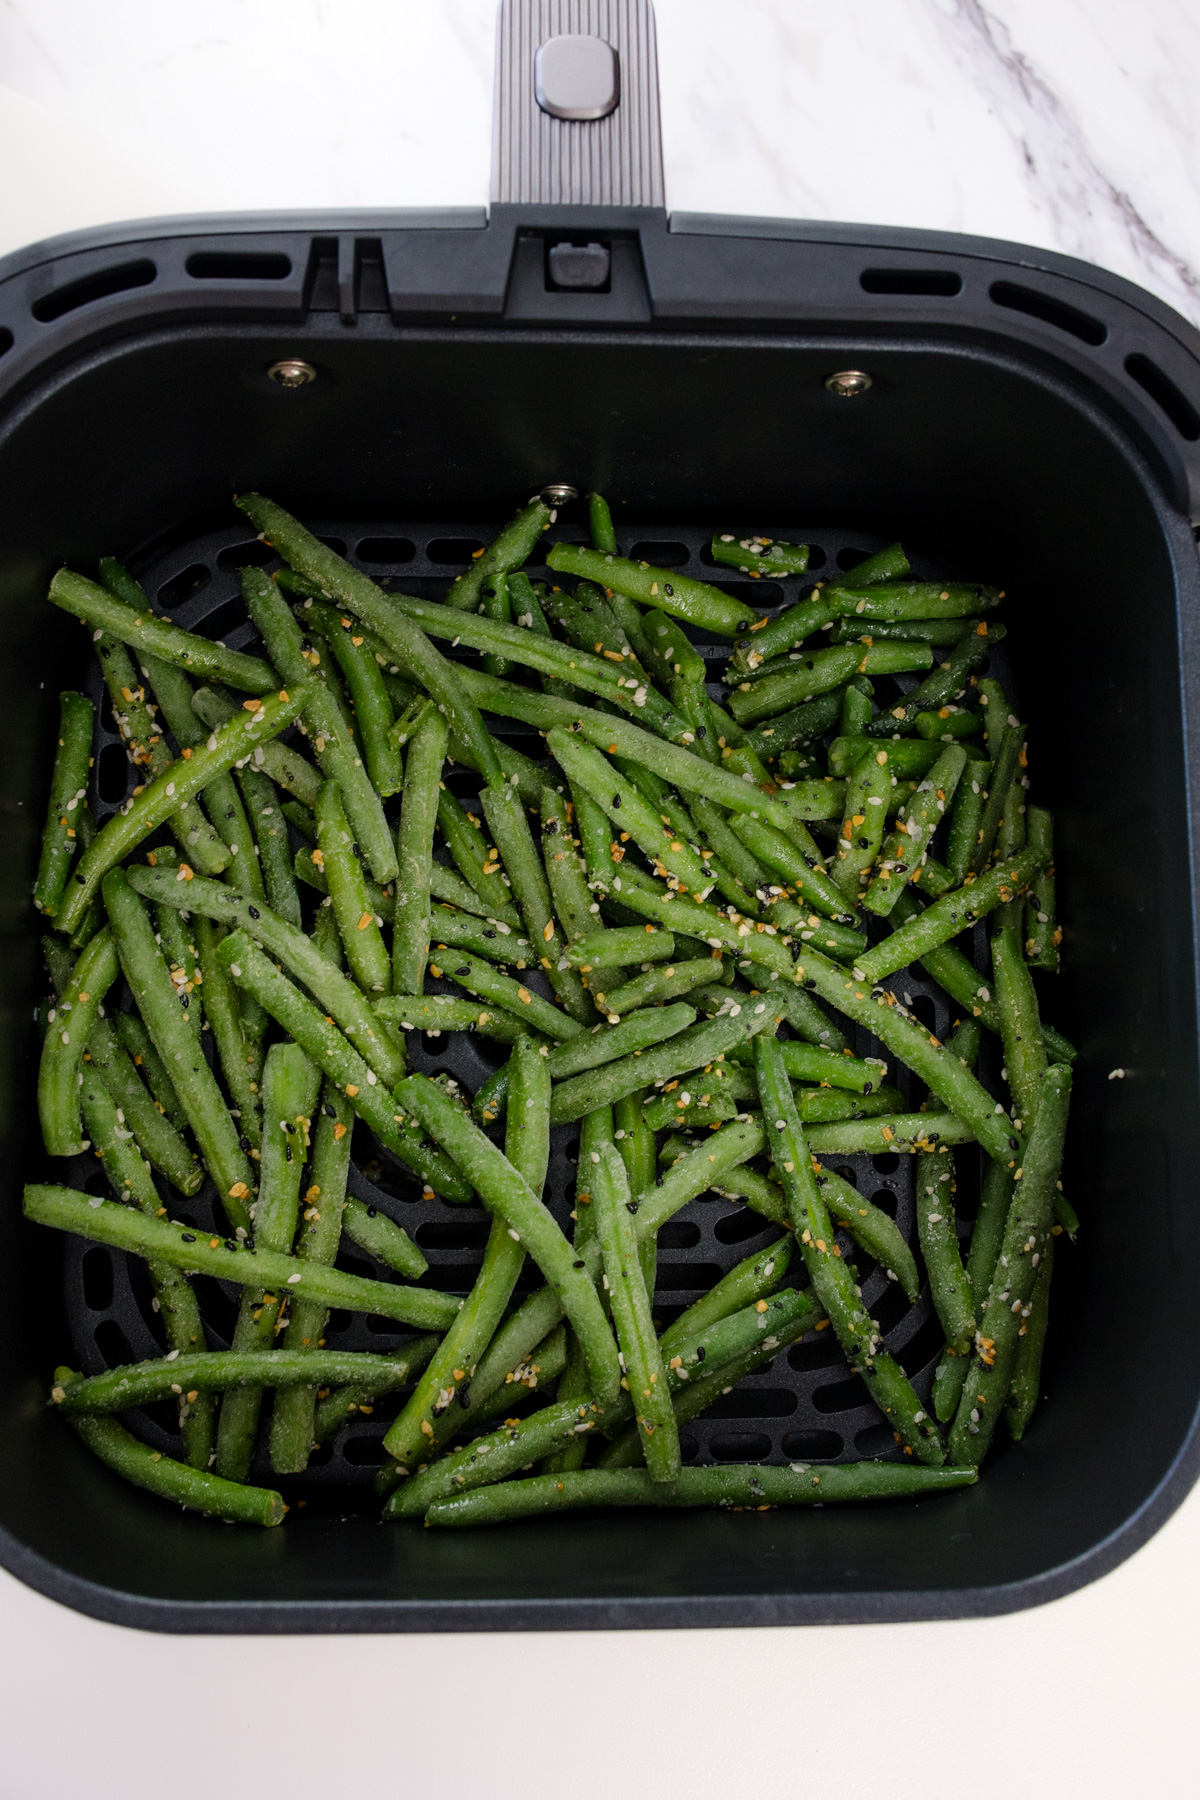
column 812, row 1446
column 740, row 1446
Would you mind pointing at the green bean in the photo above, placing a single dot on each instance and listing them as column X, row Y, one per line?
column 148, row 634
column 490, row 938
column 510, row 828
column 1009, row 840
column 949, row 1285
column 386, row 1241
column 174, row 939
column 861, row 836
column 809, row 1062
column 986, row 1238
column 833, row 1282
column 745, row 1284
column 293, row 1418
column 669, row 983
column 293, row 772
column 372, row 707
column 732, row 1089
column 600, row 524
column 588, row 1050
column 769, row 639
column 144, row 738
column 159, row 1142
column 802, row 1014
column 801, row 868
column 1003, row 773
column 759, row 555
column 527, row 1147
column 565, row 874
column 508, row 550
column 357, row 1396
column 169, row 1241
column 1020, row 1029
column 857, row 710
column 414, row 654
column 953, row 913
column 135, row 1041
column 1026, row 1234
column 68, row 786
column 140, row 1384
column 338, row 996
column 72, row 1022
column 948, row 723
column 506, row 1192
column 194, row 1489
column 621, row 944
column 481, row 978
column 414, row 848
column 590, row 624
column 909, row 757
column 527, row 609
column 325, row 721
column 942, row 633
column 913, row 599
column 641, row 1356
column 468, row 846
column 238, row 1051
column 365, row 949
column 817, row 671
column 737, row 1485
column 290, row 1086
column 629, row 812
column 1027, row 1365
column 1042, row 936
column 696, row 601
column 179, row 781
column 897, row 1132
column 686, row 1050
column 634, row 1139
column 274, row 851
column 716, row 831
column 444, row 884
column 436, row 1013
column 904, row 849
column 131, row 1181
column 173, row 691
column 801, row 725
column 332, row 1051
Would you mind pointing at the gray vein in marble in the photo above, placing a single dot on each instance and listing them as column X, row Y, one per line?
column 1062, row 170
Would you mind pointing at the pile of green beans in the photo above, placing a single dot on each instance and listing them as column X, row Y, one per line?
column 690, row 940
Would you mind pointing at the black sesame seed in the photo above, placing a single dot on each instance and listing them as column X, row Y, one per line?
column 254, row 912
column 188, row 1237
column 371, row 1211
column 616, row 800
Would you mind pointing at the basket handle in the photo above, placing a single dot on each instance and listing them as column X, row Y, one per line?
column 576, row 111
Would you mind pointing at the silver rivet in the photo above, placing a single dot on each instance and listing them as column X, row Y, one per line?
column 291, row 372
column 558, row 493
column 848, row 384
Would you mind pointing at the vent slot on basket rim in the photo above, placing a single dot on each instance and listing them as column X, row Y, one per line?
column 1165, row 395
column 1050, row 310
column 239, row 265
column 101, row 284
column 935, row 283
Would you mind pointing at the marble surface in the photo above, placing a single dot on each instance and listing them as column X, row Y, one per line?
column 1065, row 123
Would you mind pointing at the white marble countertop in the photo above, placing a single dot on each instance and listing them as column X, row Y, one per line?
column 1065, row 123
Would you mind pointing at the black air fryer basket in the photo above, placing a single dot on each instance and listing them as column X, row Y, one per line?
column 401, row 381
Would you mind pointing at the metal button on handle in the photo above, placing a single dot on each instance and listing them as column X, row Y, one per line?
column 577, row 77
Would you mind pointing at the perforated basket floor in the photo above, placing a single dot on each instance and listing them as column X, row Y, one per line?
column 806, row 1404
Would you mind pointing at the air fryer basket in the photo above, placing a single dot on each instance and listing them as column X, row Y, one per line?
column 1031, row 421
